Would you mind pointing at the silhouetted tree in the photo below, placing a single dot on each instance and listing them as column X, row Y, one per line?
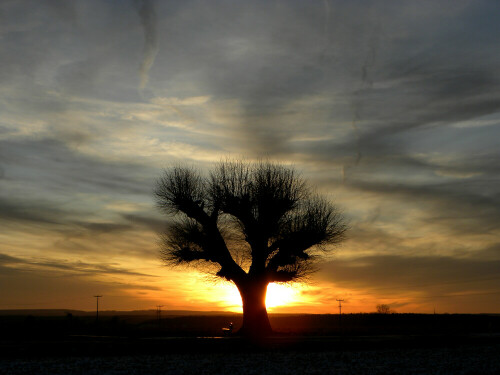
column 253, row 223
column 384, row 309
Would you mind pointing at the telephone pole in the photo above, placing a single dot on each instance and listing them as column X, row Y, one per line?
column 340, row 311
column 158, row 314
column 97, row 309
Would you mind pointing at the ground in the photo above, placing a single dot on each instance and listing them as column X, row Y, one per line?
column 285, row 355
column 308, row 344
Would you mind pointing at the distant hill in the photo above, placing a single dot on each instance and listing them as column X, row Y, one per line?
column 63, row 312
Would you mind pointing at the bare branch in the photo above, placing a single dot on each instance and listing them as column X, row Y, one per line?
column 315, row 223
column 262, row 214
column 182, row 189
column 258, row 195
column 186, row 242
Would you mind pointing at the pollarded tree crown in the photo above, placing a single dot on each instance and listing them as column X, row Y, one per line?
column 262, row 214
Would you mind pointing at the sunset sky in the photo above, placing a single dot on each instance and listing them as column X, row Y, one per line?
column 390, row 108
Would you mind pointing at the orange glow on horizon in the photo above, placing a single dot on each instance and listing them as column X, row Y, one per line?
column 194, row 292
column 278, row 295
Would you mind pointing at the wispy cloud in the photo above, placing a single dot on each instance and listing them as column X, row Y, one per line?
column 75, row 268
column 147, row 14
column 393, row 109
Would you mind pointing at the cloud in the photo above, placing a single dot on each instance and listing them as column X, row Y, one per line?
column 58, row 165
column 279, row 63
column 23, row 211
column 153, row 223
column 75, row 268
column 44, row 288
column 80, row 148
column 147, row 14
column 430, row 275
column 105, row 227
column 58, row 283
column 464, row 210
column 416, row 283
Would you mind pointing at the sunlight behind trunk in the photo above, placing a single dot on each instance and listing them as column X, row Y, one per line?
column 277, row 295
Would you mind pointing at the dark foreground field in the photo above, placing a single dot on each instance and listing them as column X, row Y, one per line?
column 299, row 355
column 363, row 344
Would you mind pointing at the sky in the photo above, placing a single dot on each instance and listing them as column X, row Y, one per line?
column 391, row 109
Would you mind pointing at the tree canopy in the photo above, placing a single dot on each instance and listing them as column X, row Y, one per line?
column 247, row 218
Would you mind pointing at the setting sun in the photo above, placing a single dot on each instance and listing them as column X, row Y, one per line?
column 277, row 295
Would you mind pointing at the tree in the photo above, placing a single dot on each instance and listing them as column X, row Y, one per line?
column 384, row 309
column 251, row 223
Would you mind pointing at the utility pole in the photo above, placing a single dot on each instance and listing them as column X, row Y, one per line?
column 158, row 314
column 340, row 311
column 97, row 309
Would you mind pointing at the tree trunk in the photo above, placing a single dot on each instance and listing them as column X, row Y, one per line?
column 255, row 319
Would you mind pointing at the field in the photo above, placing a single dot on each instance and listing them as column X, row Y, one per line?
column 307, row 344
